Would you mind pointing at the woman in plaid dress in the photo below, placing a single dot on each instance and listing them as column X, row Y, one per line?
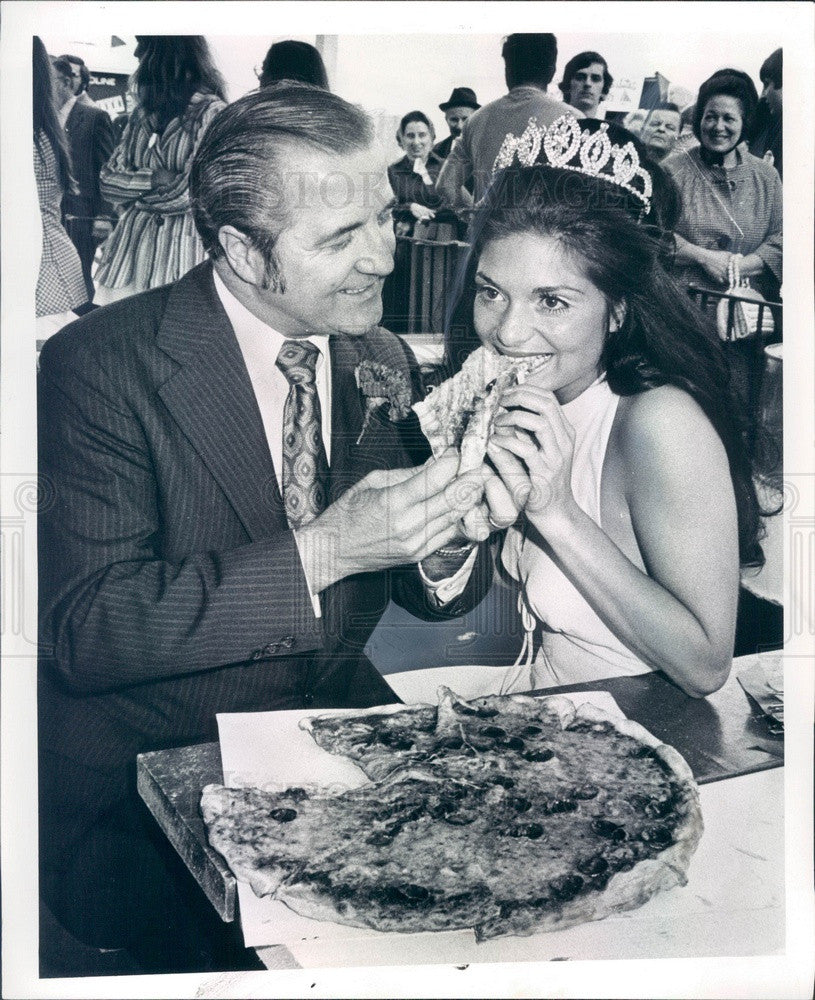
column 60, row 285
column 155, row 240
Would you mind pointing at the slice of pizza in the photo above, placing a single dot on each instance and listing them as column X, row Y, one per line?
column 377, row 742
column 459, row 413
column 391, row 856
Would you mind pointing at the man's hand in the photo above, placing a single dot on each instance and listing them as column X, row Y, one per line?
column 389, row 518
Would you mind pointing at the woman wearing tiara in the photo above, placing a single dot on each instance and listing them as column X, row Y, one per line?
column 617, row 467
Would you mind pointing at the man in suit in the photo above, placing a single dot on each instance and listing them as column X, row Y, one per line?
column 529, row 65
column 91, row 140
column 223, row 522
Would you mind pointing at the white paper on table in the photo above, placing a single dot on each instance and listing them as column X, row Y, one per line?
column 269, row 748
column 762, row 677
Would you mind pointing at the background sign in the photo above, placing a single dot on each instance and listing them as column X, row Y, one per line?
column 624, row 94
column 109, row 92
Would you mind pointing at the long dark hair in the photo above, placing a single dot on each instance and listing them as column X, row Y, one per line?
column 171, row 69
column 664, row 338
column 46, row 122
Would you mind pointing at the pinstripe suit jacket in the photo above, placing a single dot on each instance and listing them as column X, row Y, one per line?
column 170, row 584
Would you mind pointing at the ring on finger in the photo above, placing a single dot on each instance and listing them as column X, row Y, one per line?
column 498, row 527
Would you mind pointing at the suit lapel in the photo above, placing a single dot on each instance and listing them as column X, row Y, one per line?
column 211, row 399
column 70, row 121
column 350, row 460
column 347, row 410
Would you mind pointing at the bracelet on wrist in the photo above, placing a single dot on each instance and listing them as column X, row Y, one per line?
column 454, row 550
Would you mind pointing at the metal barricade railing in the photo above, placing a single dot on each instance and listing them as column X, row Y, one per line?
column 767, row 314
column 432, row 267
column 760, row 390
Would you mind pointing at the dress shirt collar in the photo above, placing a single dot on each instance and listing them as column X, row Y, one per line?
column 260, row 345
column 254, row 336
column 65, row 110
column 526, row 90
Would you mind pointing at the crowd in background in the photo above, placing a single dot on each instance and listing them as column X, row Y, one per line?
column 113, row 195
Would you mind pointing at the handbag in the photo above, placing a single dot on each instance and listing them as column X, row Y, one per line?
column 743, row 321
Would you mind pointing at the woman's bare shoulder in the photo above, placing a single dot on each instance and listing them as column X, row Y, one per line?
column 664, row 423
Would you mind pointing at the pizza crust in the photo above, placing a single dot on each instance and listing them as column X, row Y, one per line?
column 307, row 902
column 217, row 805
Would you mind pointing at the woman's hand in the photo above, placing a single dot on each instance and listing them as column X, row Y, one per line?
column 421, row 212
column 531, row 450
column 714, row 263
column 163, row 177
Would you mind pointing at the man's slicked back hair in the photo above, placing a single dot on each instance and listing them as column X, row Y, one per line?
column 239, row 172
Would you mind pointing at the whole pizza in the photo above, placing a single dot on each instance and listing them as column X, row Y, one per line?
column 506, row 814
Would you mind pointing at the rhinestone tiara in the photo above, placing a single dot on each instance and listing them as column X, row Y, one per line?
column 565, row 145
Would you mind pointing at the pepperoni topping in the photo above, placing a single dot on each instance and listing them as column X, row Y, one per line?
column 520, row 804
column 585, row 791
column 406, row 894
column 566, row 886
column 283, row 815
column 481, row 711
column 460, row 818
column 605, row 828
column 563, row 805
column 396, row 741
column 296, row 794
column 658, row 836
column 592, row 866
column 451, row 743
column 533, row 831
column 504, row 781
column 622, row 858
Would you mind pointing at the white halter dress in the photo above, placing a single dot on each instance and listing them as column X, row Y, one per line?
column 573, row 644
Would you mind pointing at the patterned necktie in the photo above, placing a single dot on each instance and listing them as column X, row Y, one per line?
column 305, row 467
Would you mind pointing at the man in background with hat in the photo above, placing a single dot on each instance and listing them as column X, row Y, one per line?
column 457, row 109
column 530, row 61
